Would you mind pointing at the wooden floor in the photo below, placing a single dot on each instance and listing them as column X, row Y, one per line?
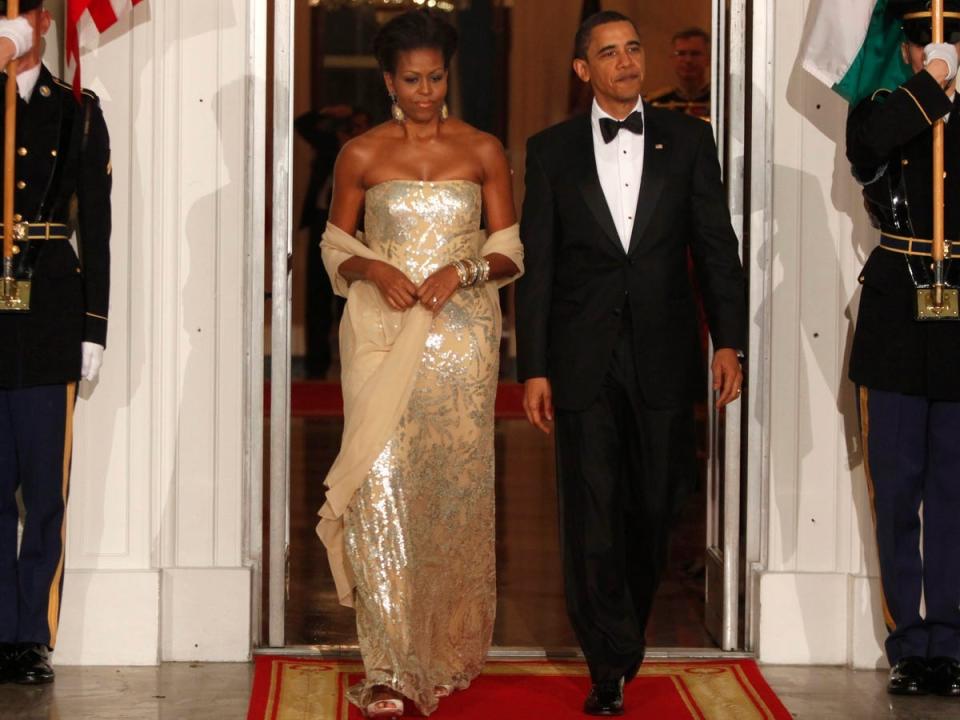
column 530, row 610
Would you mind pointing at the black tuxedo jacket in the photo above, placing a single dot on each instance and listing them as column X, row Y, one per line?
column 578, row 279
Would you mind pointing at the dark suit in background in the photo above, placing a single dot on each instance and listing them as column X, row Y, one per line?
column 616, row 334
column 319, row 130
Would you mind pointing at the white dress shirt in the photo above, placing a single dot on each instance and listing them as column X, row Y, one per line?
column 26, row 81
column 620, row 167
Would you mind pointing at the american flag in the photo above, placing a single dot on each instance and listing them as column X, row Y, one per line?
column 104, row 13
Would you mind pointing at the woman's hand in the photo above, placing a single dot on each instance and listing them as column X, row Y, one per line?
column 434, row 292
column 397, row 289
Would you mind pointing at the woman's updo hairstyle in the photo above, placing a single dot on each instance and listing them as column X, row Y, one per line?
column 414, row 30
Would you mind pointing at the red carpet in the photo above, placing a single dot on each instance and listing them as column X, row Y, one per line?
column 317, row 399
column 288, row 688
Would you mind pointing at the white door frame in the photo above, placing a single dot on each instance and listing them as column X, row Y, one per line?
column 755, row 456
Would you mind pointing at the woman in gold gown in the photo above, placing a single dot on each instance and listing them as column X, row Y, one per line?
column 409, row 517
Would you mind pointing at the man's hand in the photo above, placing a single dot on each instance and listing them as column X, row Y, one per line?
column 438, row 288
column 92, row 354
column 727, row 376
column 19, row 33
column 538, row 403
column 941, row 60
column 397, row 289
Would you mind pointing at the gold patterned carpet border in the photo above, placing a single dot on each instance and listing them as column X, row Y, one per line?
column 290, row 688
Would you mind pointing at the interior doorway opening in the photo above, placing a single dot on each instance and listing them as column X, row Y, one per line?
column 498, row 87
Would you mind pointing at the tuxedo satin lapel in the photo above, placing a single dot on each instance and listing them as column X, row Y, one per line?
column 589, row 183
column 656, row 155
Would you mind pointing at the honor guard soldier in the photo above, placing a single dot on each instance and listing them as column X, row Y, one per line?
column 62, row 176
column 691, row 63
column 904, row 363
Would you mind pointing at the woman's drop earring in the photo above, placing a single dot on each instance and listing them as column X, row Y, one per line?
column 395, row 110
column 444, row 112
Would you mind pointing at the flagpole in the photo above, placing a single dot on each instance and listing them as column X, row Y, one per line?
column 10, row 128
column 936, row 10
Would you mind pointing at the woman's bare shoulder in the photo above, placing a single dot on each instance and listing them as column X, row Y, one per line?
column 361, row 153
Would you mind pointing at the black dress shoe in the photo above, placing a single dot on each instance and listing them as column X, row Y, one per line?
column 33, row 666
column 943, row 677
column 908, row 677
column 605, row 698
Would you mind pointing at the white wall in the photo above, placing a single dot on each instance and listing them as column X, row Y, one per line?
column 156, row 557
column 819, row 599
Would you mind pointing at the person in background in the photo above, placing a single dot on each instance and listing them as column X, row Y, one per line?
column 326, row 130
column 691, row 63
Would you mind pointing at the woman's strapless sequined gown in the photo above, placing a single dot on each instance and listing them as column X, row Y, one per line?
column 420, row 532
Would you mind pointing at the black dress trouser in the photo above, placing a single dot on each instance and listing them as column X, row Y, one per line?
column 623, row 469
column 36, row 444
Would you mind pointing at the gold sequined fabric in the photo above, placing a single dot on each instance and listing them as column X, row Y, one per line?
column 419, row 534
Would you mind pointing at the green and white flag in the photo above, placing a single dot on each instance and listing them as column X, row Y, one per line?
column 854, row 48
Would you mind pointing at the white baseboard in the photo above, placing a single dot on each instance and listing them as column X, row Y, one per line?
column 109, row 618
column 804, row 618
column 206, row 615
column 867, row 629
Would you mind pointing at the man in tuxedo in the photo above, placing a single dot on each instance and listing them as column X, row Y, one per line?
column 607, row 335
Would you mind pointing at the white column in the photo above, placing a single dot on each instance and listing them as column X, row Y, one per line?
column 818, row 600
column 156, row 529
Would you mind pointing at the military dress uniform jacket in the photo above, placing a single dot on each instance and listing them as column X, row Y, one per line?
column 890, row 145
column 671, row 99
column 62, row 175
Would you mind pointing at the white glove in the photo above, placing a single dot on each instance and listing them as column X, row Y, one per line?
column 92, row 360
column 19, row 32
column 942, row 51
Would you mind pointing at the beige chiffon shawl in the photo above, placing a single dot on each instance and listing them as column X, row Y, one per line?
column 380, row 352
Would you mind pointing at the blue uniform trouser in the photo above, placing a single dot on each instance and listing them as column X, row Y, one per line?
column 35, row 449
column 912, row 448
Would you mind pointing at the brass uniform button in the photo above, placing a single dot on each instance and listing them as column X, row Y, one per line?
column 53, row 153
column 22, row 152
column 16, row 249
column 21, row 184
column 17, row 217
column 45, row 91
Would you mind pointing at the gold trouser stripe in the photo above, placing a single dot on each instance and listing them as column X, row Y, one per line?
column 53, row 604
column 919, row 106
column 865, row 449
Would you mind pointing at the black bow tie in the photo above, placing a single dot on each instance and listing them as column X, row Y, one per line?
column 610, row 127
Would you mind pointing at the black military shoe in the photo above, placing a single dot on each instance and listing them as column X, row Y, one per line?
column 33, row 666
column 908, row 677
column 605, row 698
column 943, row 677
